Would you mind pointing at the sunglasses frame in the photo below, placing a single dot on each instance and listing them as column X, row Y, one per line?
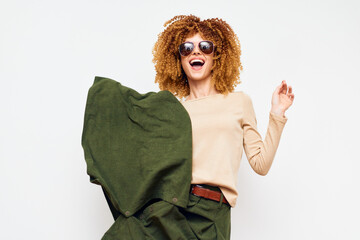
column 198, row 46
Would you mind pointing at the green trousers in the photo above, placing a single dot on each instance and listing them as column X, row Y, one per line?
column 203, row 219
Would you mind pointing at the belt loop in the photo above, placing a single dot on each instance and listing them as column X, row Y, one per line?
column 221, row 199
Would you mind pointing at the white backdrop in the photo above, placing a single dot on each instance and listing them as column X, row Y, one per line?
column 50, row 52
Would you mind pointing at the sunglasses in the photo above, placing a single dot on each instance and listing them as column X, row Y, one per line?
column 186, row 48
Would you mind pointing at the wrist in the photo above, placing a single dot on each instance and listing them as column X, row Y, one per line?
column 278, row 112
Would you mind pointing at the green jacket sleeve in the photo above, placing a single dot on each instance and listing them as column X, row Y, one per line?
column 136, row 146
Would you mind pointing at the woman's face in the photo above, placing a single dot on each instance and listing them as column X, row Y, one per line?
column 197, row 72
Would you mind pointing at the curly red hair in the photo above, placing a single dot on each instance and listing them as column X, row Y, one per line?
column 226, row 65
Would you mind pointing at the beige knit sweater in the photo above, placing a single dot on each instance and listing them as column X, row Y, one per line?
column 222, row 126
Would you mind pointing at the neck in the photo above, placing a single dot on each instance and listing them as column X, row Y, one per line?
column 201, row 88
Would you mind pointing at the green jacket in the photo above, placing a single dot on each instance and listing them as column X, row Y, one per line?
column 137, row 146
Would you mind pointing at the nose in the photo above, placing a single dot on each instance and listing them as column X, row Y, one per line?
column 196, row 49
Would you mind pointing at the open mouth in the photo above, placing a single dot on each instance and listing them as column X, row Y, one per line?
column 197, row 64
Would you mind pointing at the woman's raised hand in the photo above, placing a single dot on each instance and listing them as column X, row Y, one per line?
column 282, row 99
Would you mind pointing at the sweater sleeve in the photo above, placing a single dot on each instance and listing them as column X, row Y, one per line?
column 259, row 153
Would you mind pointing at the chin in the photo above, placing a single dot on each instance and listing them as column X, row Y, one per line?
column 198, row 77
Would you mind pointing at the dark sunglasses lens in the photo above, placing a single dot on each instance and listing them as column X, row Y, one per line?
column 186, row 48
column 206, row 47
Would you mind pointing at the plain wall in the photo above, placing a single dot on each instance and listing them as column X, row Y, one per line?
column 50, row 52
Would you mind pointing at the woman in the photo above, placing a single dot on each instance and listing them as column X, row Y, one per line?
column 168, row 168
column 200, row 60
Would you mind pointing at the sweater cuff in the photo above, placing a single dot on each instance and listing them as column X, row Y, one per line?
column 282, row 119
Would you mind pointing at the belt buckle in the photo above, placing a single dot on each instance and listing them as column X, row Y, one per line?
column 199, row 186
column 192, row 189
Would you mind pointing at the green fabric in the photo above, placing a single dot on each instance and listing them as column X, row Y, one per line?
column 202, row 219
column 138, row 147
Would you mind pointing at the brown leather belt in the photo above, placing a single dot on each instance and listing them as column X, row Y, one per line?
column 200, row 191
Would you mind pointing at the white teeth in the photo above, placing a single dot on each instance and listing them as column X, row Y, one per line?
column 196, row 60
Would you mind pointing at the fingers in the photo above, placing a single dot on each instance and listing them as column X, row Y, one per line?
column 290, row 94
column 284, row 87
